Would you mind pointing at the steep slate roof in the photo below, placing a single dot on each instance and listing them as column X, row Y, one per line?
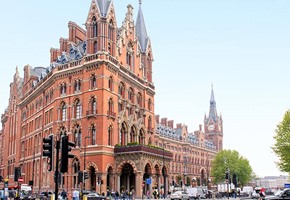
column 212, row 110
column 103, row 6
column 141, row 30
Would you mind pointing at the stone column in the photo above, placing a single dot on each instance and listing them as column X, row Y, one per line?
column 139, row 188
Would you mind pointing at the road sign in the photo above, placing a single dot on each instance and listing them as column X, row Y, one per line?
column 20, row 179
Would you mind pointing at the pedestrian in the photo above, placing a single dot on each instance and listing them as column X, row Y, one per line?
column 76, row 195
column 63, row 195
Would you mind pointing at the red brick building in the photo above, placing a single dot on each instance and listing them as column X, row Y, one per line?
column 98, row 90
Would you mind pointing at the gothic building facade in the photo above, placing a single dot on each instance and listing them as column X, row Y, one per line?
column 98, row 91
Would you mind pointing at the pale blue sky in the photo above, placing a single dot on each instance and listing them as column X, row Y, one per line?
column 241, row 46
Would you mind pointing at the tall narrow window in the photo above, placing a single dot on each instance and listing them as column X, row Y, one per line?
column 78, row 109
column 63, row 89
column 93, row 81
column 94, row 106
column 110, row 134
column 110, row 83
column 131, row 95
column 121, row 91
column 149, row 104
column 93, row 135
column 95, row 47
column 111, row 106
column 95, row 27
column 111, row 37
column 139, row 100
column 78, row 136
column 77, row 85
column 63, row 111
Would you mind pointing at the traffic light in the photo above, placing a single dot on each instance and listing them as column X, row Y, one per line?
column 48, row 150
column 99, row 180
column 235, row 179
column 86, row 175
column 80, row 177
column 227, row 175
column 66, row 147
column 17, row 173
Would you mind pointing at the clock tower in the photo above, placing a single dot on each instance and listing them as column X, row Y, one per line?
column 213, row 124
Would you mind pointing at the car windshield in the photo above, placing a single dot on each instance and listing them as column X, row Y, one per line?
column 278, row 193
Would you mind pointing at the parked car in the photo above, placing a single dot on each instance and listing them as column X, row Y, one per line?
column 43, row 197
column 285, row 194
column 179, row 195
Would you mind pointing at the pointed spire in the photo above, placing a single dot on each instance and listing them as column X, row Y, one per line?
column 141, row 29
column 212, row 109
column 212, row 94
column 103, row 6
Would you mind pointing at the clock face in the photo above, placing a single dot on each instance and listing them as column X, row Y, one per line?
column 211, row 127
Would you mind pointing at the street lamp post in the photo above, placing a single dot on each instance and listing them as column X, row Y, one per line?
column 163, row 171
column 85, row 147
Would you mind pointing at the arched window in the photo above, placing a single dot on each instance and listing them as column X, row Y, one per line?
column 133, row 134
column 63, row 111
column 95, row 47
column 111, row 37
column 141, row 137
column 149, row 104
column 111, row 30
column 121, row 91
column 139, row 99
column 63, row 89
column 75, row 170
column 93, row 106
column 95, row 27
column 93, row 135
column 111, row 83
column 78, row 109
column 111, row 106
column 150, row 124
column 130, row 57
column 110, row 135
column 93, row 81
column 131, row 95
column 78, row 136
column 77, row 85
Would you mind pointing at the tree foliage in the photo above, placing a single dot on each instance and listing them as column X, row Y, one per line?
column 282, row 143
column 232, row 161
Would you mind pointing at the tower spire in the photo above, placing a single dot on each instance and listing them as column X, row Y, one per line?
column 212, row 109
column 141, row 29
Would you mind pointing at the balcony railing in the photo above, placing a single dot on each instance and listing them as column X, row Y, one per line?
column 111, row 114
column 143, row 149
column 91, row 113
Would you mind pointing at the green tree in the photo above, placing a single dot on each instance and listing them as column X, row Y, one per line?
column 232, row 161
column 282, row 143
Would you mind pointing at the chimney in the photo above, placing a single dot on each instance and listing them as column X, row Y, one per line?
column 157, row 119
column 170, row 124
column 164, row 121
column 179, row 125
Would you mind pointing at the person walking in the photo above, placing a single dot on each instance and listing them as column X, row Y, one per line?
column 76, row 195
column 63, row 195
